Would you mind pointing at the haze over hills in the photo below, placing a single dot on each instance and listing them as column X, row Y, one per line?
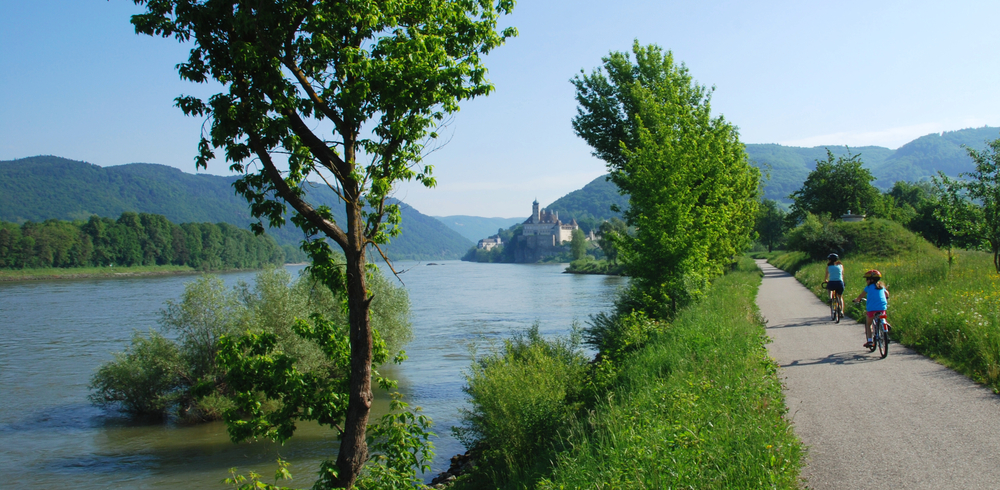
column 49, row 187
column 476, row 228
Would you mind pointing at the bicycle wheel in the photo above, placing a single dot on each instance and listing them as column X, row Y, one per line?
column 839, row 312
column 882, row 339
column 833, row 309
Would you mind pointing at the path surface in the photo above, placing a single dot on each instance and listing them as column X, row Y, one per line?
column 893, row 423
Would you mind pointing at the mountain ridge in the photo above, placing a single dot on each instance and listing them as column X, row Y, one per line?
column 50, row 187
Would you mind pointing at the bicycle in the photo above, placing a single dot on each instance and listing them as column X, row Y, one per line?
column 880, row 334
column 836, row 312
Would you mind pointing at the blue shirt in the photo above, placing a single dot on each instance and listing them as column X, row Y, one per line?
column 836, row 272
column 877, row 300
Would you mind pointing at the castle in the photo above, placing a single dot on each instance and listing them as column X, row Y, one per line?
column 544, row 223
column 542, row 234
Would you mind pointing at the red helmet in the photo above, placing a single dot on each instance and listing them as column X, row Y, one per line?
column 873, row 274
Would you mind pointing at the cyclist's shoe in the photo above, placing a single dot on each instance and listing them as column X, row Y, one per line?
column 888, row 328
column 868, row 345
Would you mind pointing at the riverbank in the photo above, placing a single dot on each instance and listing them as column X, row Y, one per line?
column 693, row 403
column 97, row 272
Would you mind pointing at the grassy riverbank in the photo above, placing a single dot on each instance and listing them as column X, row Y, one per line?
column 697, row 405
column 945, row 308
column 89, row 272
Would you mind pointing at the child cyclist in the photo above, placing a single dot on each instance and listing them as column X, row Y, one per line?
column 835, row 279
column 878, row 301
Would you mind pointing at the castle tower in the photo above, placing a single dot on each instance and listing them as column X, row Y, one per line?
column 535, row 216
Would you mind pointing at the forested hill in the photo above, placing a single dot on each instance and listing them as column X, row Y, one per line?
column 788, row 166
column 591, row 205
column 49, row 187
column 917, row 160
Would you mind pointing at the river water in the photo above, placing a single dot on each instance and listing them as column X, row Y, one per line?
column 54, row 334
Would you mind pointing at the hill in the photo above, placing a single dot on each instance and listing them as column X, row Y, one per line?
column 917, row 160
column 591, row 205
column 49, row 187
column 476, row 228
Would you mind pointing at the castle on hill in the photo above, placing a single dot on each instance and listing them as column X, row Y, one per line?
column 542, row 235
column 544, row 223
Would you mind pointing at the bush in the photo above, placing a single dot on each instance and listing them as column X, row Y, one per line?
column 521, row 395
column 818, row 237
column 156, row 374
column 142, row 380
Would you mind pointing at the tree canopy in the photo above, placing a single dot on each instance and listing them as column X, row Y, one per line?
column 836, row 186
column 972, row 205
column 346, row 93
column 692, row 193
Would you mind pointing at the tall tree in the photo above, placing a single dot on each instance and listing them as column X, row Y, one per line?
column 836, row 186
column 770, row 223
column 376, row 77
column 973, row 204
column 692, row 193
column 578, row 244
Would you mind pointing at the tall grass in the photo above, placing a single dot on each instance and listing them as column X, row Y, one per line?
column 699, row 407
column 945, row 308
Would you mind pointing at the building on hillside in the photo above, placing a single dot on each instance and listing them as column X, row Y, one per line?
column 547, row 223
column 542, row 235
column 490, row 242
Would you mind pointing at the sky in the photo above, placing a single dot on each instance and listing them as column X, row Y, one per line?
column 77, row 82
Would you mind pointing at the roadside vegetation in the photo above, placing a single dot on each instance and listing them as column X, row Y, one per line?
column 689, row 403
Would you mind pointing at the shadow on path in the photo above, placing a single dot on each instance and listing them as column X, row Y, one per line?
column 839, row 358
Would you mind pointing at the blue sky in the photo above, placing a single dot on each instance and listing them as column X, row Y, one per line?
column 78, row 83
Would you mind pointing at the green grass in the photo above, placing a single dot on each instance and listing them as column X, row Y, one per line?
column 80, row 272
column 947, row 309
column 697, row 406
column 591, row 266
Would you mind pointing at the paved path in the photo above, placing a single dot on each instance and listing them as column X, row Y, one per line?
column 893, row 423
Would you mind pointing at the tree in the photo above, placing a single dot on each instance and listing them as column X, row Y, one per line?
column 610, row 231
column 578, row 244
column 972, row 205
column 692, row 193
column 770, row 225
column 378, row 76
column 836, row 187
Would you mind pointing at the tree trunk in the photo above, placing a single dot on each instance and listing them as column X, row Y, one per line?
column 353, row 447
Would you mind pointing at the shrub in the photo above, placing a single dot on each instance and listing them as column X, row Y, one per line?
column 521, row 395
column 818, row 237
column 142, row 380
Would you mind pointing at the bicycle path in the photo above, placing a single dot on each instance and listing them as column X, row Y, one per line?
column 894, row 423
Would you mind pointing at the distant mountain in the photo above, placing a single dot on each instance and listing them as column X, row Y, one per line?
column 49, row 187
column 917, row 160
column 476, row 228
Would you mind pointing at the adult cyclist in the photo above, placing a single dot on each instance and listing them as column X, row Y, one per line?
column 835, row 279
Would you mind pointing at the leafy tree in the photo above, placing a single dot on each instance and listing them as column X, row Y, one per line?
column 770, row 225
column 611, row 231
column 379, row 76
column 838, row 185
column 578, row 244
column 692, row 193
column 972, row 205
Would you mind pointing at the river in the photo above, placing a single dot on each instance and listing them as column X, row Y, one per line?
column 55, row 333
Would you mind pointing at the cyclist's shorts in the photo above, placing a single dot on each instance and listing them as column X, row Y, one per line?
column 872, row 314
column 837, row 286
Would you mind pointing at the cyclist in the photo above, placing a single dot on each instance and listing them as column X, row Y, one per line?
column 878, row 300
column 835, row 279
